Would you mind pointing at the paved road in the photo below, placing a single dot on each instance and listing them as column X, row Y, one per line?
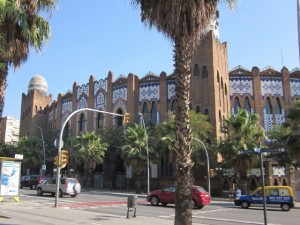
column 110, row 206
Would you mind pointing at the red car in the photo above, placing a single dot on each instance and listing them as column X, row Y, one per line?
column 166, row 196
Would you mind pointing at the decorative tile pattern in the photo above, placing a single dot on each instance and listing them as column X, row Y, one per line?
column 171, row 89
column 83, row 89
column 295, row 88
column 100, row 101
column 100, row 84
column 119, row 92
column 278, row 171
column 271, row 86
column 228, row 172
column 82, row 103
column 66, row 106
column 255, row 172
column 280, row 118
column 149, row 91
column 268, row 120
column 241, row 86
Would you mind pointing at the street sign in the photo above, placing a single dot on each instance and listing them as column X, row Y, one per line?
column 246, row 152
column 43, row 167
column 260, row 150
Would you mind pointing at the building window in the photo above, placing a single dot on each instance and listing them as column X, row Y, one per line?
column 278, row 109
column 81, row 122
column 247, row 105
column 196, row 70
column 145, row 113
column 153, row 113
column 268, row 106
column 236, row 105
column 99, row 119
column 204, row 72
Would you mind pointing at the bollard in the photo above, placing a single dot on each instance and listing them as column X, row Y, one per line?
column 131, row 203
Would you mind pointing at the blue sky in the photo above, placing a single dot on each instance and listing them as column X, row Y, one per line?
column 93, row 37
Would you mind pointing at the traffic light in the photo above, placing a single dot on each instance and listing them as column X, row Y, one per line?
column 64, row 158
column 55, row 160
column 127, row 119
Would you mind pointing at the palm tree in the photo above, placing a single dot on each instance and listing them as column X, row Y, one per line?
column 134, row 151
column 31, row 150
column 182, row 22
column 242, row 132
column 91, row 151
column 21, row 27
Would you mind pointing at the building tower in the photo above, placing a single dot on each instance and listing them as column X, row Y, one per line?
column 32, row 107
column 209, row 80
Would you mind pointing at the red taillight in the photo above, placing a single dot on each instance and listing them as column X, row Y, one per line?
column 66, row 182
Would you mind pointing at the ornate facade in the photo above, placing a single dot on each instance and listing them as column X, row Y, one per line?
column 214, row 91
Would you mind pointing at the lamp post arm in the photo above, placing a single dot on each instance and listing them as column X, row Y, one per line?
column 208, row 167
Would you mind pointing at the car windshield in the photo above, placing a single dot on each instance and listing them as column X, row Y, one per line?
column 200, row 189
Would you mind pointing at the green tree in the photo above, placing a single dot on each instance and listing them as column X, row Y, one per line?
column 32, row 151
column 288, row 135
column 182, row 22
column 90, row 151
column 242, row 132
column 21, row 27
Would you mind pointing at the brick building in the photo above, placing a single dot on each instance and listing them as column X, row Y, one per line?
column 214, row 91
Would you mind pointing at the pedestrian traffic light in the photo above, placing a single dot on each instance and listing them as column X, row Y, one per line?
column 55, row 160
column 64, row 158
column 127, row 119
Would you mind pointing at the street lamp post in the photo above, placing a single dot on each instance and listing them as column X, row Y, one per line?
column 59, row 144
column 207, row 159
column 43, row 168
column 148, row 172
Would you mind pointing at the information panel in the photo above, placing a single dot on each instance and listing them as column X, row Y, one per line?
column 10, row 172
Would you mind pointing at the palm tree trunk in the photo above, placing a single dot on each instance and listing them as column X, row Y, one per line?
column 3, row 76
column 182, row 58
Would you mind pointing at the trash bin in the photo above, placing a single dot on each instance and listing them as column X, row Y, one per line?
column 131, row 203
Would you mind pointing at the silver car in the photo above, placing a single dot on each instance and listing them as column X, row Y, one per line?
column 68, row 186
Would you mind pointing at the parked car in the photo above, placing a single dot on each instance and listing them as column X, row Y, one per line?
column 275, row 195
column 200, row 196
column 67, row 186
column 31, row 181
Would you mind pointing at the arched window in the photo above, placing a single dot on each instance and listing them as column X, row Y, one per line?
column 220, row 120
column 206, row 112
column 278, row 109
column 198, row 109
column 275, row 182
column 153, row 113
column 99, row 120
column 36, row 109
column 145, row 113
column 173, row 108
column 81, row 122
column 268, row 106
column 196, row 70
column 236, row 105
column 204, row 72
column 247, row 105
column 119, row 119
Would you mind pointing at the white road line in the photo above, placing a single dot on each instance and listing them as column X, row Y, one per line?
column 210, row 211
column 230, row 220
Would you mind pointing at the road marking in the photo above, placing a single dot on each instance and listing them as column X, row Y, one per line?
column 230, row 220
column 210, row 211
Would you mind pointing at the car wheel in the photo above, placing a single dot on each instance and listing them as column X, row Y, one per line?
column 164, row 204
column 33, row 187
column 285, row 207
column 245, row 205
column 200, row 207
column 60, row 193
column 154, row 200
column 194, row 204
column 73, row 196
column 39, row 191
column 52, row 194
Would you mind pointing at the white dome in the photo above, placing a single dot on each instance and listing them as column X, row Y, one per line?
column 38, row 83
